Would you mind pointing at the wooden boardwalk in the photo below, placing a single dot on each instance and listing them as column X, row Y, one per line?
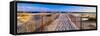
column 63, row 22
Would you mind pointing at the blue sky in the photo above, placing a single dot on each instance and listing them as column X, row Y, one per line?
column 46, row 7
